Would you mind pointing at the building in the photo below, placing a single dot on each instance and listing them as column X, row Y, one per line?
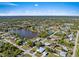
column 64, row 48
column 63, row 53
column 55, row 38
column 71, row 37
column 1, row 32
column 38, row 39
column 44, row 53
column 41, row 49
column 47, row 44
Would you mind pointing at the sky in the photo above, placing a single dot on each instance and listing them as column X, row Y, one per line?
column 39, row 8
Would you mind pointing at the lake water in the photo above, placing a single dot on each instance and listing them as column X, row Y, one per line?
column 25, row 33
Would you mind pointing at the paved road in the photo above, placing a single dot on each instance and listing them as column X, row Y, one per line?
column 53, row 33
column 25, row 51
column 76, row 40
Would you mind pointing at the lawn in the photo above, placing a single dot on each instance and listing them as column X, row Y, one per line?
column 66, row 43
column 33, row 50
column 77, row 51
column 26, row 47
column 27, row 55
column 52, row 55
column 49, row 41
column 38, row 54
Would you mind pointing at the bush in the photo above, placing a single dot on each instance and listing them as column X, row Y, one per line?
column 43, row 34
column 38, row 44
column 19, row 42
column 77, row 52
column 30, row 43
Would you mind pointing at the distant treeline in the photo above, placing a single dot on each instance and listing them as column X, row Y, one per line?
column 13, row 18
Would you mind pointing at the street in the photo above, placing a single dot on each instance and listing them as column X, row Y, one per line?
column 75, row 47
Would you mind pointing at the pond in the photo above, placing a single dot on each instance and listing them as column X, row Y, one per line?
column 25, row 33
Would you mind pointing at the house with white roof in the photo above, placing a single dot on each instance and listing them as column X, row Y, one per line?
column 44, row 53
column 47, row 44
column 63, row 53
column 71, row 37
column 41, row 49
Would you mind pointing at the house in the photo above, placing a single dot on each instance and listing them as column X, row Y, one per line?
column 1, row 44
column 24, row 43
column 0, row 38
column 44, row 53
column 13, row 38
column 38, row 39
column 68, row 24
column 71, row 37
column 50, row 32
column 1, row 32
column 63, row 53
column 47, row 44
column 64, row 48
column 41, row 49
column 55, row 38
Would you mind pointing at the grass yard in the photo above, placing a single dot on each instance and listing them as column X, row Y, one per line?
column 38, row 54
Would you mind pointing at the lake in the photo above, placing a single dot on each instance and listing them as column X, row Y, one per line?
column 25, row 33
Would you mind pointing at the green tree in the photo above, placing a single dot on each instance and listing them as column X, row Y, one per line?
column 47, row 49
column 43, row 34
column 30, row 43
column 25, row 39
column 38, row 44
column 8, row 50
column 19, row 42
column 77, row 52
column 61, row 41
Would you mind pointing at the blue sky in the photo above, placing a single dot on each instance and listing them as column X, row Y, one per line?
column 39, row 8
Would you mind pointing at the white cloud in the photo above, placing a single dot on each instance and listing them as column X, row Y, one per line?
column 36, row 5
column 39, row 12
column 12, row 4
column 8, row 3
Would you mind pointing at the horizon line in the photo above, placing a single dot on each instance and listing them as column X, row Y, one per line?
column 39, row 15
